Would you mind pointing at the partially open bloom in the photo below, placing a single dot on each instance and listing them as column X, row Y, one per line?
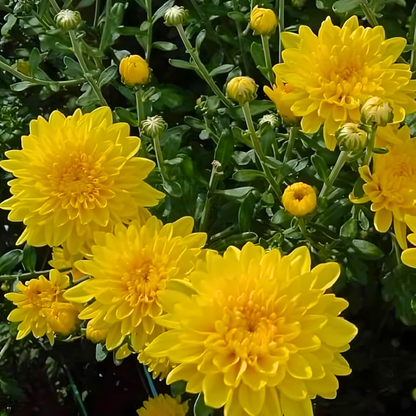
column 242, row 89
column 62, row 259
column 377, row 111
column 263, row 21
column 299, row 199
column 77, row 175
column 41, row 308
column 159, row 367
column 280, row 95
column 391, row 185
column 129, row 269
column 163, row 405
column 134, row 71
column 334, row 73
column 351, row 137
column 258, row 335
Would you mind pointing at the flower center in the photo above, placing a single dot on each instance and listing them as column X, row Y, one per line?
column 41, row 299
column 299, row 195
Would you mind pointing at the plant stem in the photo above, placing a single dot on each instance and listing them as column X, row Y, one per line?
column 302, row 226
column 76, row 47
column 267, row 57
column 150, row 381
column 96, row 13
column 213, row 181
column 342, row 158
column 159, row 157
column 5, row 348
column 149, row 30
column 139, row 106
column 27, row 276
column 412, row 39
column 75, row 390
column 259, row 151
column 202, row 69
column 108, row 5
column 281, row 16
column 240, row 37
column 290, row 144
column 369, row 13
column 370, row 147
column 55, row 6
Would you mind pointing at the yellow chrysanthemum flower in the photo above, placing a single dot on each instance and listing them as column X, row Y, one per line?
column 391, row 186
column 62, row 259
column 409, row 255
column 129, row 269
column 338, row 70
column 159, row 367
column 134, row 70
column 77, row 175
column 263, row 21
column 258, row 335
column 299, row 199
column 41, row 308
column 163, row 405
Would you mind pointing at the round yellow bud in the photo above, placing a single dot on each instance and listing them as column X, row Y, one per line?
column 242, row 89
column 377, row 111
column 299, row 199
column 134, row 70
column 351, row 137
column 263, row 21
column 68, row 19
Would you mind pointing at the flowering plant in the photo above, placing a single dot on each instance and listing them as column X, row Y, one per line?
column 208, row 208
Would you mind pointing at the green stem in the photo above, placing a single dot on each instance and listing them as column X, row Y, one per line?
column 213, row 181
column 290, row 144
column 5, row 348
column 342, row 158
column 370, row 147
column 302, row 226
column 75, row 391
column 76, row 47
column 202, row 69
column 24, row 77
column 369, row 13
column 108, row 5
column 140, row 106
column 281, row 16
column 236, row 7
column 149, row 30
column 55, row 6
column 159, row 157
column 96, row 13
column 27, row 276
column 259, row 151
column 412, row 39
column 267, row 58
column 150, row 381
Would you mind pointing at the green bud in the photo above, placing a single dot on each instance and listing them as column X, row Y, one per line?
column 175, row 16
column 376, row 111
column 154, row 126
column 68, row 19
column 351, row 137
column 271, row 120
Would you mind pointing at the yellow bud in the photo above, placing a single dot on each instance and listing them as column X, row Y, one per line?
column 23, row 66
column 96, row 335
column 299, row 199
column 134, row 70
column 377, row 111
column 263, row 21
column 351, row 137
column 242, row 89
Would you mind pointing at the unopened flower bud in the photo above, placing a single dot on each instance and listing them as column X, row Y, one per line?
column 68, row 19
column 96, row 335
column 134, row 70
column 242, row 89
column 270, row 120
column 154, row 126
column 263, row 21
column 351, row 137
column 175, row 16
column 298, row 3
column 376, row 111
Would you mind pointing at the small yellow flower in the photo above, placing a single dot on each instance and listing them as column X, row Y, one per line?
column 134, row 71
column 23, row 66
column 391, row 185
column 129, row 269
column 299, row 199
column 41, row 307
column 351, row 137
column 62, row 259
column 263, row 21
column 74, row 176
column 335, row 72
column 163, row 405
column 159, row 367
column 377, row 111
column 281, row 97
column 258, row 334
column 242, row 89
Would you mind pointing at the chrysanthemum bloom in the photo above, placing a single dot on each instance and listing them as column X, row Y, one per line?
column 159, row 367
column 129, row 269
column 263, row 21
column 41, row 308
column 77, row 175
column 409, row 255
column 242, row 89
column 299, row 199
column 134, row 71
column 259, row 335
column 163, row 405
column 62, row 259
column 338, row 70
column 391, row 185
column 280, row 95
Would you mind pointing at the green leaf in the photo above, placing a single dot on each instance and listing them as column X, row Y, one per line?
column 237, row 16
column 349, row 229
column 380, row 150
column 178, row 388
column 345, row 6
column 199, row 39
column 29, row 258
column 194, row 122
column 178, row 63
column 126, row 116
column 164, row 46
column 235, row 240
column 225, row 148
column 85, row 3
column 222, row 69
column 248, row 175
column 200, row 408
column 100, row 352
column 281, row 217
column 88, row 98
column 129, row 31
column 162, row 10
column 237, row 193
column 21, row 86
column 246, row 212
column 320, row 166
column 34, row 61
column 257, row 54
column 107, row 75
column 73, row 68
column 8, row 26
column 10, row 260
column 112, row 22
column 367, row 250
column 172, row 188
